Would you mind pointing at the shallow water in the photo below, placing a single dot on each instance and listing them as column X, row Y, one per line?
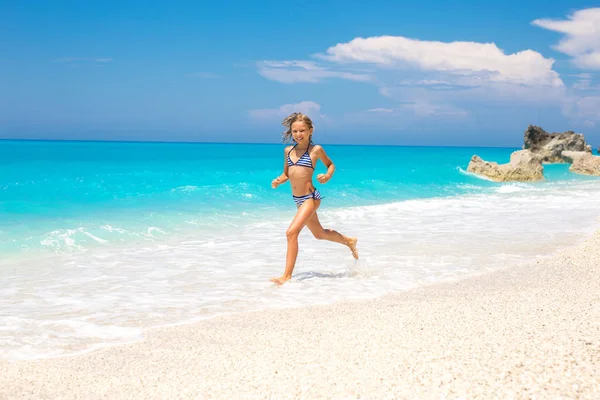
column 100, row 241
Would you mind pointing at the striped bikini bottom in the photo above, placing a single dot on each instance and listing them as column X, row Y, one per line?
column 301, row 199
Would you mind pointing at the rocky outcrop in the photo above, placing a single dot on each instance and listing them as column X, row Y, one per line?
column 523, row 166
column 582, row 162
column 549, row 146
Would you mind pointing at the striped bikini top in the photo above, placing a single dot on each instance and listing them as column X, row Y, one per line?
column 303, row 161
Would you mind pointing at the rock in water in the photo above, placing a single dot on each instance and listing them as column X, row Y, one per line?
column 582, row 162
column 523, row 166
column 549, row 146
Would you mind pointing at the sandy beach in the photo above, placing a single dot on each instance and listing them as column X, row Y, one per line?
column 529, row 331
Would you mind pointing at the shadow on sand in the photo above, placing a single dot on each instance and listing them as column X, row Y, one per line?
column 302, row 276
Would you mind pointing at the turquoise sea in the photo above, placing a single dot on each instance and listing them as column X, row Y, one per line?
column 100, row 241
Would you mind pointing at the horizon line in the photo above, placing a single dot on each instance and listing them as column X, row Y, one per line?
column 245, row 143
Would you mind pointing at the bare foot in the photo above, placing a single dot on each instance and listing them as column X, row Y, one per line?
column 352, row 244
column 281, row 280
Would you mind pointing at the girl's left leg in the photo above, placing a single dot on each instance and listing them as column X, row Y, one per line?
column 321, row 233
column 304, row 212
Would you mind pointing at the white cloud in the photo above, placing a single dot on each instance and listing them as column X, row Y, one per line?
column 585, row 108
column 475, row 96
column 583, row 84
column 426, row 109
column 430, row 77
column 422, row 109
column 304, row 71
column 309, row 108
column 407, row 114
column 474, row 63
column 428, row 80
column 582, row 36
column 583, row 76
column 485, row 60
column 581, row 103
column 411, row 110
column 381, row 110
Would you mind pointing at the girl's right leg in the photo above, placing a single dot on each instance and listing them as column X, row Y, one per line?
column 304, row 212
column 329, row 234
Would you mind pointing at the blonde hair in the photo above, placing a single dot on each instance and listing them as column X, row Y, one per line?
column 289, row 120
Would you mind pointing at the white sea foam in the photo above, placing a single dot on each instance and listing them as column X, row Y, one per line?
column 153, row 229
column 468, row 173
column 111, row 229
column 61, row 240
column 513, row 187
column 63, row 332
column 70, row 240
column 75, row 301
column 186, row 188
column 96, row 238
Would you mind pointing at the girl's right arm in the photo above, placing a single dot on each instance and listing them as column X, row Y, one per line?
column 283, row 177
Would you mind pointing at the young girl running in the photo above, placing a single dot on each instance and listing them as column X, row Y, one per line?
column 298, row 167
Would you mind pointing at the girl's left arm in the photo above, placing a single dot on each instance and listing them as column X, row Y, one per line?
column 322, row 155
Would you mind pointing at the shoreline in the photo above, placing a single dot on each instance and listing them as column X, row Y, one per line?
column 145, row 330
column 526, row 330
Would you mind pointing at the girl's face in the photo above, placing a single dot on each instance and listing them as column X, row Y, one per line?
column 300, row 132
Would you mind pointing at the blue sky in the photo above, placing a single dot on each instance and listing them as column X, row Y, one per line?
column 382, row 72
